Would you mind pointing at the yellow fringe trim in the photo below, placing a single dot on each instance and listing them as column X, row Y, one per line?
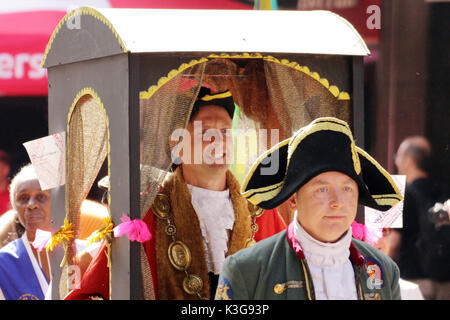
column 323, row 81
column 244, row 55
column 172, row 74
column 340, row 95
column 63, row 234
column 80, row 12
column 147, row 94
column 92, row 93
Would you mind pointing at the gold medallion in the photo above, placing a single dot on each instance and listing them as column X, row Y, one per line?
column 179, row 255
column 192, row 284
column 250, row 243
column 161, row 206
column 254, row 228
column 170, row 230
column 255, row 211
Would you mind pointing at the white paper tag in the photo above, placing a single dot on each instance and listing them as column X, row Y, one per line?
column 393, row 218
column 47, row 155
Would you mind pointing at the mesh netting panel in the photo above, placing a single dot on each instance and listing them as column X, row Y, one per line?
column 166, row 110
column 269, row 96
column 254, row 119
column 298, row 99
column 86, row 151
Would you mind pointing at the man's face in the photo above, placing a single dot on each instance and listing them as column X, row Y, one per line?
column 384, row 243
column 327, row 205
column 33, row 206
column 210, row 148
column 401, row 159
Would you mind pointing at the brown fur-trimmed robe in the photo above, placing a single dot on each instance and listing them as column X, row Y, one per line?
column 170, row 280
column 159, row 278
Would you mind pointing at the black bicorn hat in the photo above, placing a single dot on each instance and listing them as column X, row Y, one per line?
column 222, row 99
column 326, row 144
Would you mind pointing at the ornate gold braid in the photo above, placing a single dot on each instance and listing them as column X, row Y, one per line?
column 255, row 212
column 178, row 252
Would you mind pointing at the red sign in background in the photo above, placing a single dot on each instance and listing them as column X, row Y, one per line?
column 24, row 35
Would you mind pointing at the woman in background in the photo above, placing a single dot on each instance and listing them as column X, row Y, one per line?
column 25, row 272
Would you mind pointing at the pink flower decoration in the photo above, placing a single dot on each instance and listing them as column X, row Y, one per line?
column 136, row 229
column 373, row 235
column 369, row 235
column 358, row 231
column 41, row 239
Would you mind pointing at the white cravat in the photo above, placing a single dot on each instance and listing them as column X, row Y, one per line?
column 216, row 215
column 331, row 269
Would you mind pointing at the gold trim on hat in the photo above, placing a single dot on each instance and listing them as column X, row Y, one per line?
column 383, row 172
column 321, row 124
column 259, row 197
column 265, row 193
column 250, row 194
column 386, row 201
column 382, row 196
column 222, row 95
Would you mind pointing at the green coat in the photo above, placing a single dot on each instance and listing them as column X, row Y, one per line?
column 276, row 269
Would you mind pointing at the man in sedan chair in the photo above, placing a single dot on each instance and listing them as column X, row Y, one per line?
column 200, row 206
column 323, row 176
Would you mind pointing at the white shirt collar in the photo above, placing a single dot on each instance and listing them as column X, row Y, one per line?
column 329, row 264
column 215, row 213
column 323, row 253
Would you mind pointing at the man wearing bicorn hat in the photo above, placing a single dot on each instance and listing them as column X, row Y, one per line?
column 323, row 176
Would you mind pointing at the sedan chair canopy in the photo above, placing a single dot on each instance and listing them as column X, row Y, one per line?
column 121, row 80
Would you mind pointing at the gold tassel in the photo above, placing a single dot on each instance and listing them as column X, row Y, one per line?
column 62, row 235
column 101, row 233
column 108, row 257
